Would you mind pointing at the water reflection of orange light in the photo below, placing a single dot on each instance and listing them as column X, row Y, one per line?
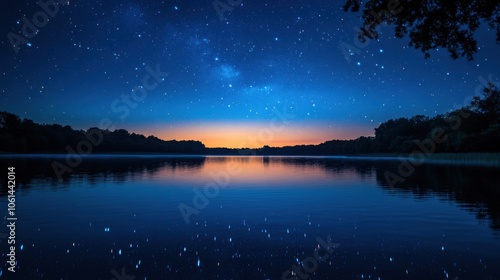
column 258, row 171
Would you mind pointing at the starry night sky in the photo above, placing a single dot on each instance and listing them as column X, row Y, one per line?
column 226, row 77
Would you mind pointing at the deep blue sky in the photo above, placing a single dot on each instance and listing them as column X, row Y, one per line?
column 226, row 76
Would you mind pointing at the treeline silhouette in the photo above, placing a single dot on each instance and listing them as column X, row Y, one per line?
column 473, row 128
column 24, row 136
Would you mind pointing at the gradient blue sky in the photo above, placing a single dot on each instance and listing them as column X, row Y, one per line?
column 226, row 76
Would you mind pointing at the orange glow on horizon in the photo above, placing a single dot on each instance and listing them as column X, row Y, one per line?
column 255, row 134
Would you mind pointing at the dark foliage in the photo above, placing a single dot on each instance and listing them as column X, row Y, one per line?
column 475, row 128
column 25, row 136
column 430, row 24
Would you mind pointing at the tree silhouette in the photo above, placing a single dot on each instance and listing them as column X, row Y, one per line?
column 430, row 24
column 489, row 105
column 9, row 121
column 25, row 136
column 474, row 128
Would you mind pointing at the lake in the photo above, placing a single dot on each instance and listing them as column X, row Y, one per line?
column 195, row 217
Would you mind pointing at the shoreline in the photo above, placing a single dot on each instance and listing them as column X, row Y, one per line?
column 467, row 159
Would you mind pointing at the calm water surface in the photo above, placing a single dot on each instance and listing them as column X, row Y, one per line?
column 119, row 217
